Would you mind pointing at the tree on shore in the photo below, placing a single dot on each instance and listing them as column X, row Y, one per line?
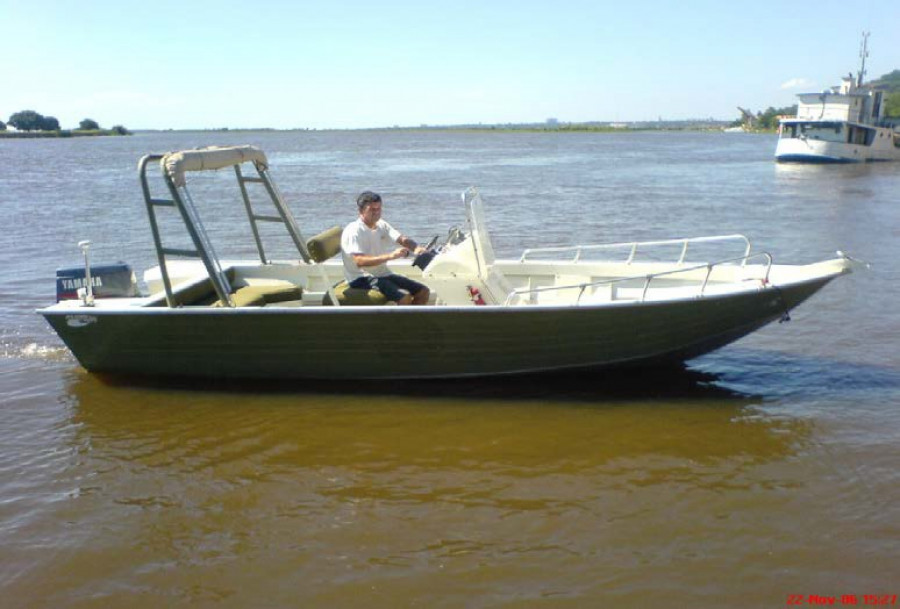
column 769, row 118
column 892, row 105
column 49, row 123
column 29, row 120
column 26, row 120
column 764, row 120
column 2, row 126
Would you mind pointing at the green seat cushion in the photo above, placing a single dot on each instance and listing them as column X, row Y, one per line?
column 198, row 293
column 325, row 245
column 358, row 297
column 261, row 295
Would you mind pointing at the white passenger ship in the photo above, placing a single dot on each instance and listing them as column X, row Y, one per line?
column 844, row 124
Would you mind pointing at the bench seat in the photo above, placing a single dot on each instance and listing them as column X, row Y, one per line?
column 355, row 297
column 261, row 295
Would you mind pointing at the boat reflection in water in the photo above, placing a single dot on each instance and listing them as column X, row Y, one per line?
column 469, row 425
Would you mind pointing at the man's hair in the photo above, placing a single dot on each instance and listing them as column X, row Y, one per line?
column 367, row 197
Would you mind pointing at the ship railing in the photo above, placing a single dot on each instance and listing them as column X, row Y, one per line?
column 634, row 246
column 647, row 279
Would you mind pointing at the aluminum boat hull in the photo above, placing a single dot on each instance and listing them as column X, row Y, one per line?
column 413, row 342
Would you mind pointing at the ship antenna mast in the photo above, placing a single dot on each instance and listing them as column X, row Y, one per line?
column 863, row 53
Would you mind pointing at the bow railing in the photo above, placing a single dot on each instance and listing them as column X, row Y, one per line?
column 634, row 246
column 649, row 278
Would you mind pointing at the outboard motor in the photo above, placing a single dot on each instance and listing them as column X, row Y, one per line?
column 107, row 280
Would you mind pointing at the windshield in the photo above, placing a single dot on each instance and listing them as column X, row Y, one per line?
column 831, row 132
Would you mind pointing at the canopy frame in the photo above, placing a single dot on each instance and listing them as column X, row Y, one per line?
column 173, row 167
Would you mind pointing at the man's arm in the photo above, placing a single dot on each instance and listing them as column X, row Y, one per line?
column 410, row 245
column 362, row 260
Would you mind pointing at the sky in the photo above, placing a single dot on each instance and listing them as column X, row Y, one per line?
column 355, row 64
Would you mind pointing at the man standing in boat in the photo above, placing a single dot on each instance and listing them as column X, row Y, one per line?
column 368, row 243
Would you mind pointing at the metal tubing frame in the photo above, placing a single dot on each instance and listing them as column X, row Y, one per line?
column 195, row 229
column 648, row 278
column 250, row 215
column 181, row 200
column 154, row 226
column 634, row 245
column 285, row 213
column 201, row 241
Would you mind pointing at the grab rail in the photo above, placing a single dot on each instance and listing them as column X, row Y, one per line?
column 634, row 245
column 648, row 278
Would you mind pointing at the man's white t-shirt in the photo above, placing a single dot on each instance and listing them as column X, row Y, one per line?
column 358, row 238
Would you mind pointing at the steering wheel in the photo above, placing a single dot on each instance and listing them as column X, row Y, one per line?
column 454, row 236
column 425, row 258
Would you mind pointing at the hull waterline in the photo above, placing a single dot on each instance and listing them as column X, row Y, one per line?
column 811, row 159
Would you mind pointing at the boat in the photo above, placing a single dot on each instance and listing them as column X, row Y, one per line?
column 843, row 124
column 551, row 309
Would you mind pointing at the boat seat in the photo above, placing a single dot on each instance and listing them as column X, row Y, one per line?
column 355, row 297
column 325, row 245
column 322, row 247
column 196, row 293
column 202, row 293
column 261, row 295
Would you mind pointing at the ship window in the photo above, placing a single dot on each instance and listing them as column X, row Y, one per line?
column 830, row 132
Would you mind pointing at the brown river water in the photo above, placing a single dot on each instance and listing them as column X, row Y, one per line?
column 766, row 474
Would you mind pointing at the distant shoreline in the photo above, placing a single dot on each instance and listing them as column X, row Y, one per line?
column 61, row 133
column 500, row 128
column 537, row 128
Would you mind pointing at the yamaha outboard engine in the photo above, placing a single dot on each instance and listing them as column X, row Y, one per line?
column 107, row 280
column 101, row 281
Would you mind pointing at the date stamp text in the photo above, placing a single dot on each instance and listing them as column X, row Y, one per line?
column 846, row 600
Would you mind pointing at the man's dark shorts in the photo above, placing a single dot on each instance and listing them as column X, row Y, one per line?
column 390, row 285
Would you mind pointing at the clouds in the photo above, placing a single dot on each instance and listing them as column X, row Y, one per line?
column 798, row 83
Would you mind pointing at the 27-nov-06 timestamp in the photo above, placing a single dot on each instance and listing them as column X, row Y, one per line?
column 824, row 600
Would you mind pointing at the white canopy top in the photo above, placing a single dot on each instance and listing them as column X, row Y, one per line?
column 213, row 157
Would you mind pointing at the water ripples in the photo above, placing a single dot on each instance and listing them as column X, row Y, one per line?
column 774, row 459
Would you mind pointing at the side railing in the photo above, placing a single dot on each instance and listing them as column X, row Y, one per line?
column 647, row 279
column 634, row 246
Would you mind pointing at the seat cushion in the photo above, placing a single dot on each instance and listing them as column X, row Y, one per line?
column 358, row 297
column 325, row 245
column 194, row 293
column 261, row 295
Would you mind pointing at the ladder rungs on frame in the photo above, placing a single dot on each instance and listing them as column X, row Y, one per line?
column 168, row 251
